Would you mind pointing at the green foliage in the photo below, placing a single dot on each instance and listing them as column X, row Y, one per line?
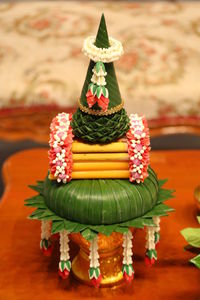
column 196, row 261
column 88, row 231
column 105, row 201
column 192, row 236
column 38, row 188
column 98, row 92
column 99, row 129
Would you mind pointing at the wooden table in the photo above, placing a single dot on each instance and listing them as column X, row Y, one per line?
column 26, row 274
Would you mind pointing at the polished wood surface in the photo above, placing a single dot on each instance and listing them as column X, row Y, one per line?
column 26, row 274
column 28, row 122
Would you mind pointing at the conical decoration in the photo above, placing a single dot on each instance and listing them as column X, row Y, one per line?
column 102, row 41
column 101, row 120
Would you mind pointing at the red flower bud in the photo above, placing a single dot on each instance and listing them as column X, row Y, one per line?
column 96, row 282
column 48, row 251
column 63, row 274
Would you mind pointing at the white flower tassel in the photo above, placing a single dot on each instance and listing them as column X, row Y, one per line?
column 45, row 242
column 151, row 241
column 94, row 271
column 127, row 268
column 156, row 221
column 65, row 263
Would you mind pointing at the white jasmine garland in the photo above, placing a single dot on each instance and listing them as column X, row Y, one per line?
column 64, row 245
column 105, row 55
column 94, row 256
column 150, row 238
column 127, row 245
column 46, row 229
column 156, row 221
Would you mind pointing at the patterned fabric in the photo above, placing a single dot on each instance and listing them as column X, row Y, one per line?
column 41, row 60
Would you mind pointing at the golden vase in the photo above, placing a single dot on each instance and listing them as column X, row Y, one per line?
column 110, row 258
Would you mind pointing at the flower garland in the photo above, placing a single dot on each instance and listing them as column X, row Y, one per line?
column 94, row 271
column 65, row 263
column 45, row 242
column 60, row 155
column 156, row 221
column 138, row 148
column 151, row 241
column 127, row 268
column 97, row 92
column 105, row 55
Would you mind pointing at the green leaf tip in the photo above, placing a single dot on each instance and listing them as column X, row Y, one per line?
column 102, row 40
column 196, row 261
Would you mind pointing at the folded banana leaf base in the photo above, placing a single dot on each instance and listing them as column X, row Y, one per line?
column 108, row 209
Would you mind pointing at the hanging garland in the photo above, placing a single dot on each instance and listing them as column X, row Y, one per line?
column 60, row 154
column 45, row 242
column 138, row 148
column 94, row 271
column 97, row 92
column 65, row 263
column 127, row 268
column 156, row 221
column 152, row 239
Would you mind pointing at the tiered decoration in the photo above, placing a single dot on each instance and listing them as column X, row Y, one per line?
column 152, row 239
column 45, row 242
column 138, row 148
column 110, row 160
column 60, row 154
column 94, row 271
column 65, row 263
column 97, row 92
column 127, row 268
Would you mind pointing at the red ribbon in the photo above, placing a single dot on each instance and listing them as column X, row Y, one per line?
column 92, row 99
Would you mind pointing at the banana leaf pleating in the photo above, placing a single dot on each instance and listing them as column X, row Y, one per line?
column 100, row 206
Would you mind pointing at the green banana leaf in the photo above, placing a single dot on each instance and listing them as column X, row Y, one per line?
column 105, row 201
column 89, row 231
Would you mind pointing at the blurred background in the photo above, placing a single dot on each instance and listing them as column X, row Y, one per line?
column 42, row 68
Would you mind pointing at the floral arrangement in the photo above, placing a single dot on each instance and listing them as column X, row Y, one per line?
column 65, row 263
column 45, row 242
column 102, row 54
column 127, row 268
column 152, row 240
column 60, row 155
column 97, row 92
column 138, row 148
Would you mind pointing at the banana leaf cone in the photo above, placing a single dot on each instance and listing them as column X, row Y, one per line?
column 101, row 128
